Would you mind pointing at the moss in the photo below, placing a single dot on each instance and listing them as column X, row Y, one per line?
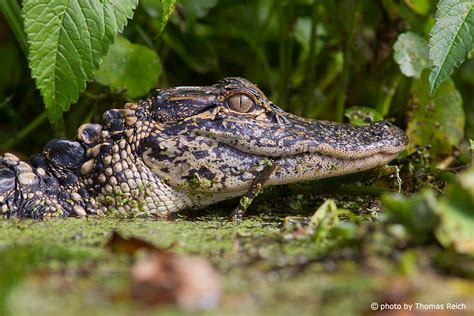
column 266, row 162
column 245, row 202
column 108, row 200
column 199, row 182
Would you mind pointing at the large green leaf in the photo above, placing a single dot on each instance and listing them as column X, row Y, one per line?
column 449, row 218
column 451, row 38
column 67, row 39
column 415, row 213
column 411, row 53
column 131, row 67
column 436, row 120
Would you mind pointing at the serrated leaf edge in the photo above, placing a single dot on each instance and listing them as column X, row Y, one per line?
column 433, row 83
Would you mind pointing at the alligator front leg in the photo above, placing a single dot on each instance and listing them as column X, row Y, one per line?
column 257, row 184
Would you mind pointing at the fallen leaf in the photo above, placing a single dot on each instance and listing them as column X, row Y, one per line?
column 119, row 245
column 189, row 282
column 163, row 277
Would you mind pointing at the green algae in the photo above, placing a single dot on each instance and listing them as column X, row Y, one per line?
column 270, row 264
column 268, row 267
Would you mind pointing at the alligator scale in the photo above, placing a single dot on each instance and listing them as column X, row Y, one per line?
column 186, row 147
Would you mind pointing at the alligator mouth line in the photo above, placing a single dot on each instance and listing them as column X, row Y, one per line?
column 364, row 163
column 325, row 152
column 313, row 166
column 341, row 147
column 345, row 156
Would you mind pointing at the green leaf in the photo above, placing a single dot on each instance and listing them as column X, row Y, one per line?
column 437, row 120
column 451, row 38
column 450, row 218
column 302, row 33
column 131, row 67
column 471, row 149
column 416, row 213
column 420, row 24
column 168, row 9
column 411, row 53
column 360, row 115
column 9, row 61
column 161, row 10
column 456, row 211
column 421, row 7
column 324, row 219
column 67, row 40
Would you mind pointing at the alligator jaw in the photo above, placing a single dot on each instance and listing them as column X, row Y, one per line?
column 307, row 167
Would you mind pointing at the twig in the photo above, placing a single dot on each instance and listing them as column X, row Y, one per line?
column 12, row 12
column 25, row 131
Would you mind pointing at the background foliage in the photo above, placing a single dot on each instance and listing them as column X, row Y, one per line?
column 313, row 58
column 407, row 61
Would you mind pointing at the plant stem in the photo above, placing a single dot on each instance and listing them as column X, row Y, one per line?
column 341, row 100
column 12, row 12
column 284, row 15
column 311, row 62
column 259, row 41
column 384, row 106
column 25, row 131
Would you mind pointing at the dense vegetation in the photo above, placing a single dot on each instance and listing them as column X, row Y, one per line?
column 64, row 62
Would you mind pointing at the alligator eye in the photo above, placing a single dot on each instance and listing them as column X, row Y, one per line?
column 240, row 103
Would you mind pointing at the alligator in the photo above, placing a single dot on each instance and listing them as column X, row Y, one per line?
column 185, row 148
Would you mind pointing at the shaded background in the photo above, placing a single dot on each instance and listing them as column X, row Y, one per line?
column 314, row 59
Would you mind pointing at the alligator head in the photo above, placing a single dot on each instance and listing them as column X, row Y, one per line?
column 187, row 147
